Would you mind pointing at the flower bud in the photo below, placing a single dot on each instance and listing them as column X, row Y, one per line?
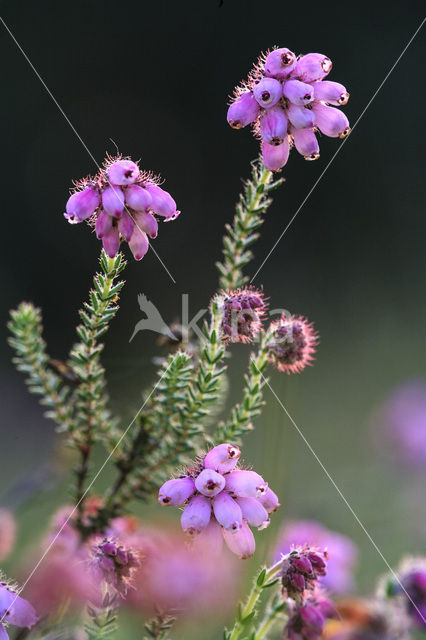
column 312, row 617
column 279, row 63
column 113, row 201
column 103, row 224
column 254, row 512
column 138, row 197
column 125, row 226
column 176, row 491
column 275, row 157
column 306, row 143
column 109, row 548
column 246, row 484
column 196, row 515
column 162, row 202
column 313, row 66
column 300, row 117
column 243, row 111
column 270, row 501
column 138, row 243
column 298, row 93
column 82, row 204
column 147, row 223
column 222, row 458
column 123, row 172
column 331, row 121
column 111, row 242
column 227, row 512
column 273, row 126
column 210, row 540
column 267, row 92
column 241, row 542
column 332, row 92
column 209, row 482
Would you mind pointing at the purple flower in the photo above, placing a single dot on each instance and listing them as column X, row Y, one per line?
column 341, row 551
column 412, row 588
column 220, row 498
column 121, row 202
column 307, row 619
column 399, row 424
column 292, row 344
column 290, row 95
column 301, row 569
column 114, row 564
column 14, row 610
column 242, row 313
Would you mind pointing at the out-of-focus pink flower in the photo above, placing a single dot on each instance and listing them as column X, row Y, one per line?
column 307, row 620
column 14, row 610
column 293, row 344
column 176, row 577
column 399, row 424
column 121, row 202
column 114, row 564
column 7, row 532
column 341, row 551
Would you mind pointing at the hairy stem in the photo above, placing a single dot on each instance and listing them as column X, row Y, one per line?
column 242, row 233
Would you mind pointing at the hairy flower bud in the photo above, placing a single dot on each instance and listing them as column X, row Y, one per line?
column 123, row 172
column 246, row 484
column 273, row 126
column 331, row 121
column 196, row 515
column 222, row 458
column 138, row 197
column 275, row 157
column 243, row 111
column 332, row 92
column 209, row 482
column 299, row 93
column 313, row 66
column 227, row 512
column 267, row 92
column 82, row 204
column 279, row 63
column 176, row 491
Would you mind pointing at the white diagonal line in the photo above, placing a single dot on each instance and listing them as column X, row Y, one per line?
column 339, row 148
column 92, row 482
column 339, row 491
column 78, row 136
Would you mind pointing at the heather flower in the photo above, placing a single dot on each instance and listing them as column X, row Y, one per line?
column 243, row 310
column 293, row 343
column 307, row 620
column 121, row 203
column 399, row 424
column 286, row 99
column 114, row 564
column 411, row 588
column 373, row 619
column 177, row 577
column 342, row 552
column 14, row 610
column 7, row 532
column 301, row 569
column 221, row 500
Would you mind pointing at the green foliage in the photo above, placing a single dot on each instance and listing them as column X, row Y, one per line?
column 253, row 204
column 158, row 628
column 31, row 358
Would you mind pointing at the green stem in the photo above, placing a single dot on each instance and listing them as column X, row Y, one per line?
column 266, row 578
column 274, row 612
column 242, row 414
column 253, row 203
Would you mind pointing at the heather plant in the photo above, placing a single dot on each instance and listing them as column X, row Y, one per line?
column 181, row 447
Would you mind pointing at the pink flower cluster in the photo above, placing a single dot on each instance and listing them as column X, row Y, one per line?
column 287, row 100
column 306, row 606
column 293, row 344
column 243, row 311
column 222, row 500
column 122, row 202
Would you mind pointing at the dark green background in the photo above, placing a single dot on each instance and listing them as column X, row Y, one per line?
column 154, row 78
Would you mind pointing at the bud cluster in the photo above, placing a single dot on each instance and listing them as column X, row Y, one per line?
column 287, row 100
column 121, row 201
column 222, row 500
column 242, row 313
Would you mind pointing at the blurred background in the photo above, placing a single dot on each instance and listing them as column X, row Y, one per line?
column 152, row 79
